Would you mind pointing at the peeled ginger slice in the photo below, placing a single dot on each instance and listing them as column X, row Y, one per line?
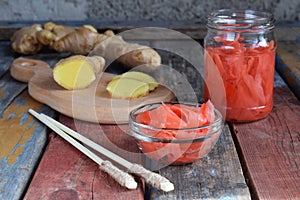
column 124, row 88
column 77, row 72
column 140, row 76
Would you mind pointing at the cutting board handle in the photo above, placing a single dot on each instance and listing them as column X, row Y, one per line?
column 23, row 69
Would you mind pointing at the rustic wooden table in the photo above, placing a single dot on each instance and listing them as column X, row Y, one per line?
column 258, row 160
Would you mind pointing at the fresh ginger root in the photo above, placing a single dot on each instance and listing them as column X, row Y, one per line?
column 131, row 54
column 80, row 41
column 77, row 72
column 53, row 32
column 25, row 40
column 84, row 40
column 131, row 85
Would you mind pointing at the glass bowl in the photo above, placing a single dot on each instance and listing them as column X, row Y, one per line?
column 174, row 146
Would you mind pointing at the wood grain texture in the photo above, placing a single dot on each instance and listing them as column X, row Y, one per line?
column 5, row 64
column 270, row 149
column 65, row 173
column 217, row 176
column 22, row 141
column 288, row 64
column 9, row 89
column 193, row 29
column 92, row 104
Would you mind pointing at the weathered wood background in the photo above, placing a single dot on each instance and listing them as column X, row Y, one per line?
column 258, row 160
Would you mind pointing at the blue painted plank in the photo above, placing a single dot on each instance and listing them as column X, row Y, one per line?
column 9, row 89
column 22, row 140
column 4, row 65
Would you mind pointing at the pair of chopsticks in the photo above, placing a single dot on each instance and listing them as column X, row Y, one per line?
column 122, row 177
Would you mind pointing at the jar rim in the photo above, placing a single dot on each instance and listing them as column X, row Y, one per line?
column 239, row 19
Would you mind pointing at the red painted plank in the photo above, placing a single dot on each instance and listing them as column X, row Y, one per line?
column 270, row 149
column 65, row 173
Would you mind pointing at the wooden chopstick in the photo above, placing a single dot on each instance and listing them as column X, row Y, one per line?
column 120, row 176
column 150, row 177
column 90, row 143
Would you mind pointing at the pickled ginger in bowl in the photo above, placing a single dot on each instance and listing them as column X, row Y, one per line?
column 176, row 133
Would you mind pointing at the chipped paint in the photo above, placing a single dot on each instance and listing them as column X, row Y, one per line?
column 11, row 115
column 2, row 181
column 24, row 118
column 1, row 92
column 213, row 172
column 17, row 127
column 13, row 157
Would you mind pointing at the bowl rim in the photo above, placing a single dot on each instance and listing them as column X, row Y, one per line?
column 218, row 122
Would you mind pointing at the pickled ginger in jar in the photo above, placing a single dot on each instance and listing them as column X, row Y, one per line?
column 240, row 47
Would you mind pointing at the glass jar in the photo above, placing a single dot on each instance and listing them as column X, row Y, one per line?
column 240, row 46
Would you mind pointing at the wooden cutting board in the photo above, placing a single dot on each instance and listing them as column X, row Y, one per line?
column 91, row 104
